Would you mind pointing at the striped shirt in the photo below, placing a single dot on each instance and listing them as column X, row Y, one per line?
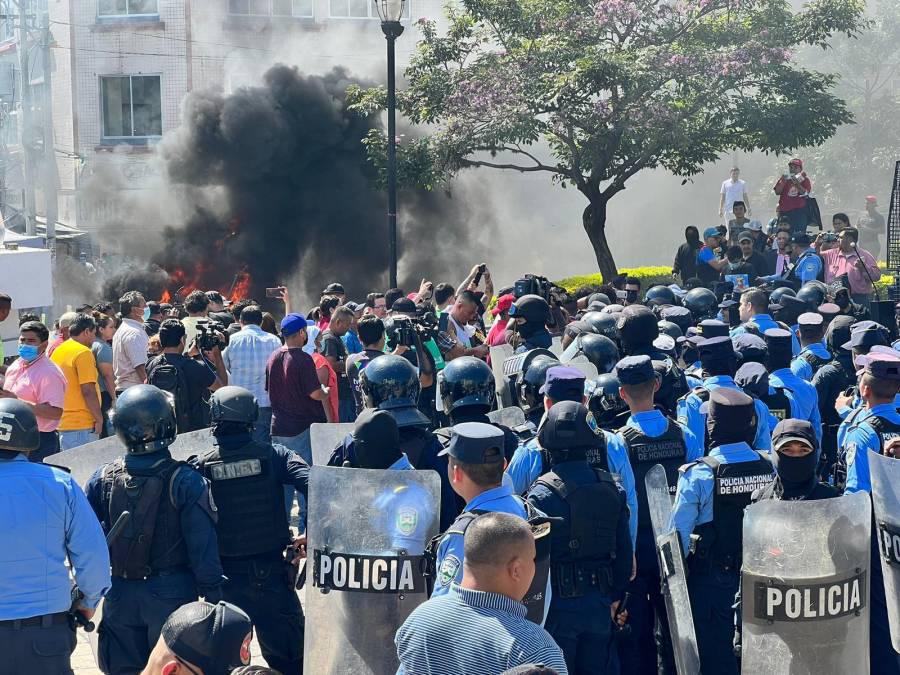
column 469, row 632
column 246, row 356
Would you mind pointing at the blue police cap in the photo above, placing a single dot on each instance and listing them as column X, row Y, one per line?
column 475, row 443
column 564, row 383
column 712, row 328
column 716, row 347
column 866, row 334
column 777, row 337
column 881, row 362
column 727, row 402
column 750, row 346
column 635, row 370
column 665, row 343
column 810, row 320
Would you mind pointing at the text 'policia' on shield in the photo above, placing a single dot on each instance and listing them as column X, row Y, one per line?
column 367, row 573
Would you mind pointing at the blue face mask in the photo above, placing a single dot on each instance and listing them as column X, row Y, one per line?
column 146, row 313
column 28, row 352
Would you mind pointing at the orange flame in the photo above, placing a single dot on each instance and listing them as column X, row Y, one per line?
column 241, row 287
column 166, row 296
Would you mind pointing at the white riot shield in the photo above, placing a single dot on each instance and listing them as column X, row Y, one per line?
column 84, row 460
column 498, row 356
column 365, row 568
column 556, row 345
column 885, row 473
column 805, row 586
column 581, row 363
column 508, row 417
column 324, row 438
column 672, row 573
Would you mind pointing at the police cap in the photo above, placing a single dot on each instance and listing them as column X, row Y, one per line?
column 778, row 339
column 637, row 325
column 635, row 370
column 712, row 328
column 568, row 425
column 750, row 347
column 800, row 238
column 883, row 364
column 811, row 321
column 214, row 638
column 719, row 347
column 793, row 430
column 666, row 344
column 680, row 316
column 475, row 443
column 727, row 403
column 829, row 310
column 377, row 429
column 864, row 334
column 793, row 304
column 563, row 383
column 753, row 378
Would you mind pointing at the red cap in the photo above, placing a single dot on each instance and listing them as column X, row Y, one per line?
column 503, row 304
column 872, row 199
column 797, row 160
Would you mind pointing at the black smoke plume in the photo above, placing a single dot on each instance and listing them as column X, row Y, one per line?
column 292, row 192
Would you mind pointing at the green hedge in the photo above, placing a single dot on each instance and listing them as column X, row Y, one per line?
column 651, row 276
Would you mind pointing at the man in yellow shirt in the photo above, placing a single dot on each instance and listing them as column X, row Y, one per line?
column 81, row 419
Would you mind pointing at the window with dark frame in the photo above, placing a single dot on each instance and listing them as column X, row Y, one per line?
column 132, row 106
column 110, row 8
column 270, row 8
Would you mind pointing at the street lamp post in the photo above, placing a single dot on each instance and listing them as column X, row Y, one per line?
column 390, row 12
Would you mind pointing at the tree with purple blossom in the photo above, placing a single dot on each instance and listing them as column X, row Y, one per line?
column 591, row 92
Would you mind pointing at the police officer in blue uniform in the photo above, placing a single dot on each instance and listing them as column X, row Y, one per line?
column 590, row 550
column 870, row 429
column 719, row 362
column 753, row 379
column 650, row 438
column 531, row 461
column 803, row 396
column 167, row 553
column 813, row 352
column 45, row 521
column 795, row 455
column 831, row 381
column 247, row 480
column 475, row 467
column 530, row 315
column 709, row 505
column 865, row 337
column 390, row 383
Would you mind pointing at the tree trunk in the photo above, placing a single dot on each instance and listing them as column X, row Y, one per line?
column 594, row 222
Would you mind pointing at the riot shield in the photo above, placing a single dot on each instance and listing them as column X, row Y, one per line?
column 556, row 345
column 84, row 460
column 885, row 474
column 325, row 438
column 365, row 574
column 498, row 356
column 672, row 573
column 508, row 417
column 805, row 586
column 582, row 363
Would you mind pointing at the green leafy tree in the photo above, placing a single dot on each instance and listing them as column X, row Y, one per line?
column 593, row 91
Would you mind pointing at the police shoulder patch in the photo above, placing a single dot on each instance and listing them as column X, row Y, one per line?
column 449, row 569
column 407, row 520
column 851, row 453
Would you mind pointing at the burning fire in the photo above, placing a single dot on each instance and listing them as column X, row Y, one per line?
column 166, row 296
column 184, row 282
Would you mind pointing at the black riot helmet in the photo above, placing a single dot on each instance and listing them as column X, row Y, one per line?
column 670, row 328
column 813, row 293
column 599, row 350
column 533, row 308
column 144, row 418
column 605, row 402
column 599, row 297
column 702, row 302
column 18, row 426
column 569, row 426
column 603, row 324
column 662, row 295
column 467, row 381
column 389, row 382
column 531, row 379
column 233, row 404
column 776, row 295
column 638, row 327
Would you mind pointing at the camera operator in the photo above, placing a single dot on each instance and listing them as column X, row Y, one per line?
column 188, row 378
column 793, row 190
column 196, row 304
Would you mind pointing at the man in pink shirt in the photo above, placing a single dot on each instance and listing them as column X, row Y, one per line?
column 497, row 334
column 34, row 379
column 859, row 265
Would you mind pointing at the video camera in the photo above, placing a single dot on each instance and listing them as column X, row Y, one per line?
column 531, row 284
column 207, row 336
column 404, row 328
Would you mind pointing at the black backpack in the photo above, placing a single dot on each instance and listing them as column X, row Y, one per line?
column 165, row 375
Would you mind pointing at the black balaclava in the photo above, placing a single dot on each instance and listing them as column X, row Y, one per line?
column 376, row 440
column 797, row 475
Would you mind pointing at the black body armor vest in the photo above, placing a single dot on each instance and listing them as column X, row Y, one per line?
column 644, row 452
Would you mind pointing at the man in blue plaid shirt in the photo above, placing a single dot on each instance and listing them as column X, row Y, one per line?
column 245, row 358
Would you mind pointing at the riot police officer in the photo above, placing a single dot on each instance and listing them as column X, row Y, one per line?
column 45, row 521
column 527, row 383
column 606, row 405
column 530, row 315
column 390, row 383
column 871, row 429
column 603, row 323
column 795, row 454
column 719, row 361
column 167, row 553
column 468, row 391
column 650, row 438
column 702, row 303
column 831, row 381
column 598, row 349
column 247, row 479
column 709, row 504
column 590, row 550
column 803, row 396
column 813, row 353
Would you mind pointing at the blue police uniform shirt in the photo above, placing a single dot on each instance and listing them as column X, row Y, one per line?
column 696, row 486
column 693, row 381
column 193, row 499
column 857, row 440
column 808, row 267
column 450, row 551
column 803, row 396
column 801, row 367
column 690, row 416
column 44, row 519
column 525, row 467
column 653, row 423
column 764, row 322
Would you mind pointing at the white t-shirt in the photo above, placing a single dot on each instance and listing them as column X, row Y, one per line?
column 734, row 192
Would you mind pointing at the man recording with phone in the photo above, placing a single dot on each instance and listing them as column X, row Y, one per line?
column 848, row 258
column 793, row 190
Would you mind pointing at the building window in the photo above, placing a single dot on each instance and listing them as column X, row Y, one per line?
column 357, row 9
column 132, row 107
column 7, row 20
column 106, row 8
column 295, row 8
